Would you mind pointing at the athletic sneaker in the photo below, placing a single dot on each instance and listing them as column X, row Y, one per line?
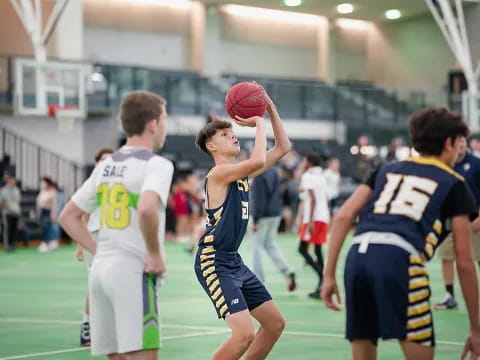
column 292, row 285
column 85, row 334
column 448, row 303
column 316, row 294
column 43, row 248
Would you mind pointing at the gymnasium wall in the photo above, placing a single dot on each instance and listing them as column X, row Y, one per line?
column 274, row 47
column 135, row 47
column 410, row 53
column 137, row 34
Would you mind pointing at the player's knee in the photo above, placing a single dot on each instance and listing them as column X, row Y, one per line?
column 244, row 336
column 277, row 325
column 302, row 249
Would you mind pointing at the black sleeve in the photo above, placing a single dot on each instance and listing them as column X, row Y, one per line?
column 259, row 192
column 460, row 201
column 370, row 182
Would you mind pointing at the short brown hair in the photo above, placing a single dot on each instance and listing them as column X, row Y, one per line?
column 138, row 108
column 102, row 151
column 429, row 128
column 208, row 131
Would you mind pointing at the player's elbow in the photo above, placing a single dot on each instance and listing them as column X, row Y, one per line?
column 148, row 208
column 258, row 163
column 344, row 215
column 61, row 219
column 464, row 264
column 145, row 211
column 66, row 215
column 286, row 148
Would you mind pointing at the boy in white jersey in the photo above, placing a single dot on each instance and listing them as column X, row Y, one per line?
column 316, row 216
column 93, row 225
column 130, row 188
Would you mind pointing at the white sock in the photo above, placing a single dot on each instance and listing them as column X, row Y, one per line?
column 86, row 318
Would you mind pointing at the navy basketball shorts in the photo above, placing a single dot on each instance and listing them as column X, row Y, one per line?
column 387, row 296
column 228, row 282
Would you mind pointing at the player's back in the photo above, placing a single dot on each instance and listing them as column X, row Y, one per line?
column 412, row 198
column 120, row 181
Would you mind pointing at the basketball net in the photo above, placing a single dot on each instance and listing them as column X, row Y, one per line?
column 65, row 117
column 450, row 19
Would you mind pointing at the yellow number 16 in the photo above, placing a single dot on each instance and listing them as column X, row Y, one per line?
column 114, row 201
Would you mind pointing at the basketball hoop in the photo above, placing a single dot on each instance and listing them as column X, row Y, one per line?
column 65, row 116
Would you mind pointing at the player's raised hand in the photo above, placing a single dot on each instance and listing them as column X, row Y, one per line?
column 155, row 265
column 472, row 346
column 329, row 290
column 268, row 100
column 250, row 122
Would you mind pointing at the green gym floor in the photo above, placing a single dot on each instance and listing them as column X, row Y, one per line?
column 42, row 296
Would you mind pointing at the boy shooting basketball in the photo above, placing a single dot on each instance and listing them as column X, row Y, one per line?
column 234, row 290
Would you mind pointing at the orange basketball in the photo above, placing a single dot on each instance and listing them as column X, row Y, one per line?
column 245, row 99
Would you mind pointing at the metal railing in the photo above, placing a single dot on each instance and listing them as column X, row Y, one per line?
column 32, row 161
column 358, row 104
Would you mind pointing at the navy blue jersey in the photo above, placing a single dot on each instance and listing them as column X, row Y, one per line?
column 414, row 199
column 226, row 225
column 469, row 168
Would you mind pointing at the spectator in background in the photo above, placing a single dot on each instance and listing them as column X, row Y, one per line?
column 475, row 147
column 322, row 149
column 47, row 203
column 392, row 150
column 266, row 210
column 6, row 166
column 332, row 178
column 316, row 216
column 181, row 209
column 10, row 203
column 194, row 188
column 364, row 167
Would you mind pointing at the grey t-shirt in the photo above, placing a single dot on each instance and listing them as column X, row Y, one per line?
column 10, row 197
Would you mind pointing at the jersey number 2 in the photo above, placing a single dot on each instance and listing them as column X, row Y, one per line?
column 411, row 199
column 244, row 210
column 114, row 201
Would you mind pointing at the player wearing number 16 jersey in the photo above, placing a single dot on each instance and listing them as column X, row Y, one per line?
column 130, row 189
column 405, row 210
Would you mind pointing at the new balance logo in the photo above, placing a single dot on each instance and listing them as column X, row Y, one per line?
column 234, row 301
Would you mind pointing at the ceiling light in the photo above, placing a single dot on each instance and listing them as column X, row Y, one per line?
column 393, row 14
column 292, row 2
column 345, row 8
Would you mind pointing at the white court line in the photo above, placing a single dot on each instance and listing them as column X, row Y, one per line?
column 25, row 356
column 69, row 322
column 44, row 353
column 210, row 328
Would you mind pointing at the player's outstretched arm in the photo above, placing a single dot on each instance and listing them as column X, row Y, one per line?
column 282, row 142
column 148, row 219
column 467, row 275
column 341, row 225
column 71, row 221
column 227, row 173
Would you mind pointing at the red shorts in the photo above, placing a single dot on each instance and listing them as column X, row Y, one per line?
column 319, row 236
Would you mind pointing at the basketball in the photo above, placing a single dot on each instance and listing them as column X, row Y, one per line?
column 245, row 99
